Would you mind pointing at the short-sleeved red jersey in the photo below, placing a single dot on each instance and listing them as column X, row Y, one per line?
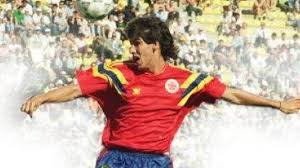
column 143, row 110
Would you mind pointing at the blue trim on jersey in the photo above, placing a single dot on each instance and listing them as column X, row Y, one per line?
column 194, row 84
column 117, row 83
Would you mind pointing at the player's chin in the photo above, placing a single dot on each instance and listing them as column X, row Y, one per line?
column 138, row 62
column 139, row 66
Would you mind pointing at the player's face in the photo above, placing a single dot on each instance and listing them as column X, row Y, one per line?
column 142, row 54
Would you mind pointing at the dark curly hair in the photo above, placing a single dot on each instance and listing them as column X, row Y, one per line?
column 152, row 29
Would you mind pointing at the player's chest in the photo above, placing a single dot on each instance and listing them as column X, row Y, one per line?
column 150, row 90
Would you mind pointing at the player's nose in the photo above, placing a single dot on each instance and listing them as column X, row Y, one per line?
column 132, row 49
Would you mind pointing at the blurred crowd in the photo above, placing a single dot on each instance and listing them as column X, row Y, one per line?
column 52, row 36
column 50, row 39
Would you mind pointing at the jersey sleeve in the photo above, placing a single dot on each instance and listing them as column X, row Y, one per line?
column 90, row 82
column 215, row 88
column 101, row 78
column 201, row 88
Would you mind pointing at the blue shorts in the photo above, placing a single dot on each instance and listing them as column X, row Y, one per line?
column 117, row 158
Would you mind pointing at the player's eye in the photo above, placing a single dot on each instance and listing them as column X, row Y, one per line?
column 136, row 43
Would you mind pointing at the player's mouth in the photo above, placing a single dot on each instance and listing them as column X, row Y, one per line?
column 136, row 59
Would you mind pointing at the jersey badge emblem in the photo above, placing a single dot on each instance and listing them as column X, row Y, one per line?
column 172, row 86
column 136, row 91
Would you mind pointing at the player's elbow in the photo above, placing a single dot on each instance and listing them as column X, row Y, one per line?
column 76, row 91
column 232, row 96
column 73, row 91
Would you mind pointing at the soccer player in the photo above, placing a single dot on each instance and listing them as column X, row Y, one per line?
column 146, row 99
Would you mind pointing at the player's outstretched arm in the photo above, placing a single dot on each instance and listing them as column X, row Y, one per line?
column 238, row 96
column 61, row 94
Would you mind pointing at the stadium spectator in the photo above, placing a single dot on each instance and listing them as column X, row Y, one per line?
column 28, row 20
column 220, row 53
column 60, row 23
column 237, row 41
column 204, row 52
column 199, row 35
column 293, row 5
column 227, row 24
column 177, row 26
column 45, row 20
column 237, row 21
column 37, row 17
column 116, row 45
column 293, row 19
column 223, row 29
column 27, row 6
column 260, row 9
column 129, row 13
column 192, row 8
column 62, row 8
column 295, row 44
column 189, row 27
column 74, row 23
column 262, row 35
column 19, row 16
column 120, row 21
column 172, row 10
column 109, row 26
column 283, row 40
column 273, row 42
column 160, row 11
column 271, row 4
column 70, row 8
column 149, row 11
column 37, row 5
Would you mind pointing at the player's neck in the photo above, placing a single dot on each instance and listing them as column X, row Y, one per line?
column 158, row 66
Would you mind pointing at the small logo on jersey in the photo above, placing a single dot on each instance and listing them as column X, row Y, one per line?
column 172, row 86
column 136, row 91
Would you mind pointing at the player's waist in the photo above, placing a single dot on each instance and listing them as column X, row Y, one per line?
column 133, row 152
column 145, row 148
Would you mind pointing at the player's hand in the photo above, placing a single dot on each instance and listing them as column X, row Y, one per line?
column 290, row 106
column 32, row 104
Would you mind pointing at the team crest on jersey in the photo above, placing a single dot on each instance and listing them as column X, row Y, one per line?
column 136, row 91
column 172, row 86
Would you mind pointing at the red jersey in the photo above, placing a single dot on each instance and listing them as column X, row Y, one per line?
column 143, row 110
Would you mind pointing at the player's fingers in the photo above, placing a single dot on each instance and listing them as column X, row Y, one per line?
column 23, row 107
column 27, row 108
column 32, row 106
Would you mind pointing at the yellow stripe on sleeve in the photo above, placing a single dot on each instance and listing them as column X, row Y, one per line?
column 198, row 85
column 97, row 74
column 117, row 72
